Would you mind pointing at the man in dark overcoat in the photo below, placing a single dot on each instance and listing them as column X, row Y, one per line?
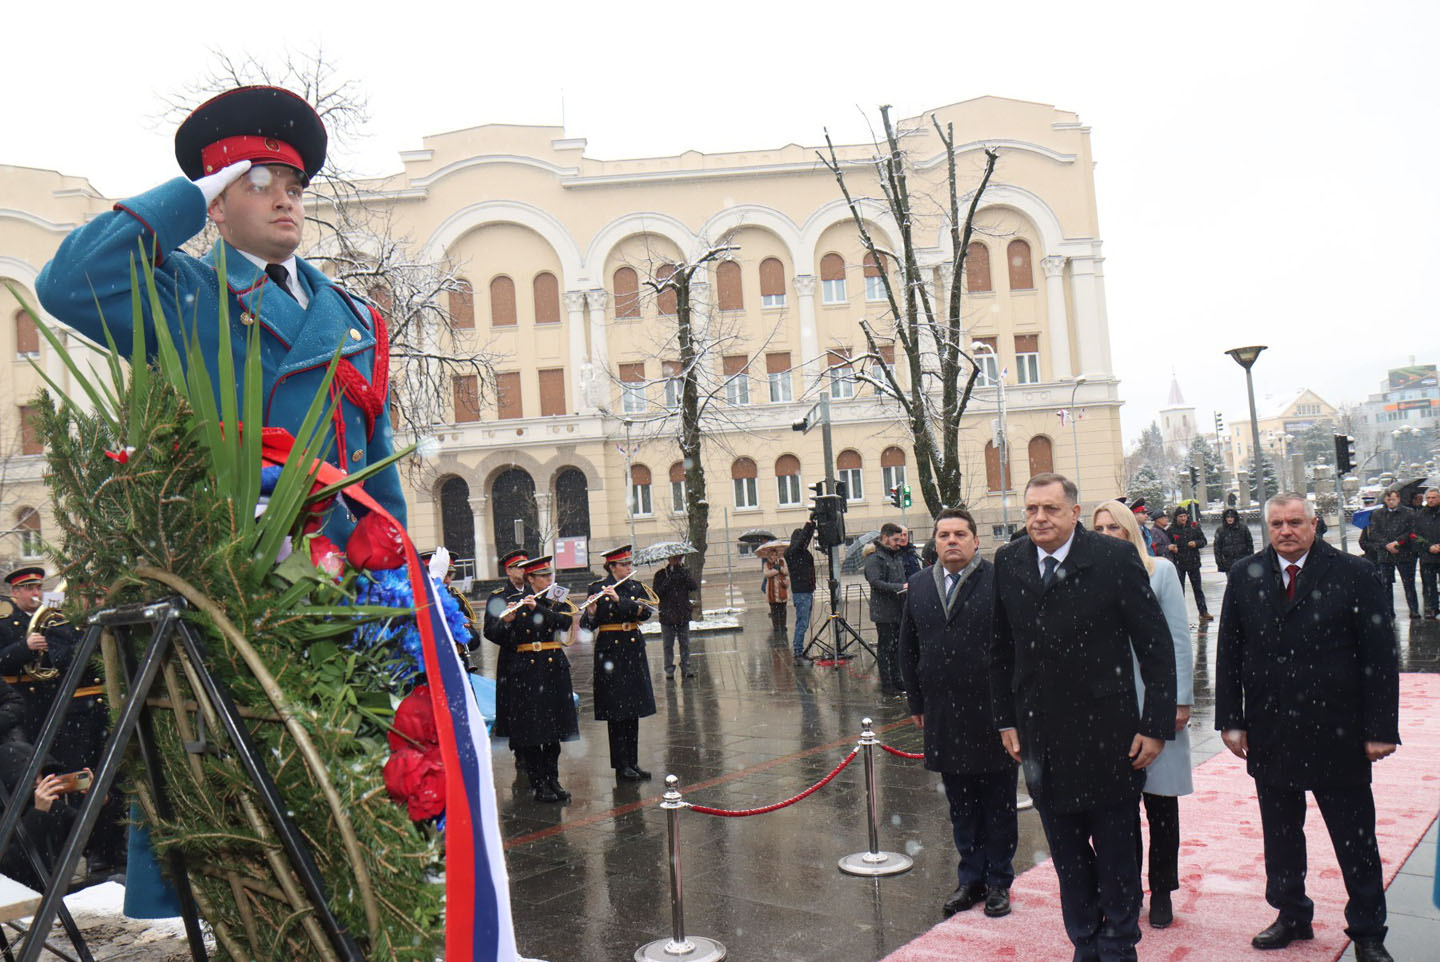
column 496, row 628
column 945, row 632
column 1389, row 542
column 1070, row 607
column 1186, row 540
column 1307, row 692
column 673, row 585
column 623, row 693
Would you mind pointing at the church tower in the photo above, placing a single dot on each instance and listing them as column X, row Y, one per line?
column 1177, row 420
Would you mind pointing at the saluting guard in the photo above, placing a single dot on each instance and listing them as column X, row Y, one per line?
column 613, row 610
column 540, row 698
column 497, row 625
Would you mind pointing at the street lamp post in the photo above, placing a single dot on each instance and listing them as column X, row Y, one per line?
column 1245, row 357
column 1075, row 430
column 980, row 347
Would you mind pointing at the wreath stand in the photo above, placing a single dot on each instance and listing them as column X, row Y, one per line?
column 210, row 723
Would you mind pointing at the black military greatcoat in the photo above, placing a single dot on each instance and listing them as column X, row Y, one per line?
column 622, row 673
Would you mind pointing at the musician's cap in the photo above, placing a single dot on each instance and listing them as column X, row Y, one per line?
column 28, row 575
column 538, row 566
column 264, row 125
column 513, row 557
column 621, row 553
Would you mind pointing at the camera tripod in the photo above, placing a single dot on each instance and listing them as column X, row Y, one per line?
column 835, row 652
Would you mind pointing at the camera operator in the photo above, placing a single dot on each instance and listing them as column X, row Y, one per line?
column 802, row 583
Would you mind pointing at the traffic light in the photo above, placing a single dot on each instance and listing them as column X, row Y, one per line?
column 895, row 495
column 905, row 496
column 1194, row 476
column 1344, row 453
column 1219, row 425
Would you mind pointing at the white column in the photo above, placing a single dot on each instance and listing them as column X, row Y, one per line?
column 1057, row 319
column 809, row 337
column 598, row 390
column 543, row 501
column 1090, row 325
column 484, row 556
column 575, row 324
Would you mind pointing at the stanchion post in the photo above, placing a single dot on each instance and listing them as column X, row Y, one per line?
column 873, row 862
column 677, row 948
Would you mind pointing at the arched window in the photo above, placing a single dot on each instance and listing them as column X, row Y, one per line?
column 832, row 279
column 892, row 467
column 729, row 295
column 977, row 268
column 1018, row 255
column 627, row 292
column 1042, row 455
column 502, row 301
column 993, row 481
column 27, row 525
column 743, row 474
column 772, row 283
column 547, row 298
column 665, row 302
column 462, row 304
column 787, row 480
column 874, row 282
column 848, row 465
column 677, row 487
column 640, row 503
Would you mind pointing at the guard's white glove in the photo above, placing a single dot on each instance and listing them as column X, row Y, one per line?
column 213, row 185
column 439, row 563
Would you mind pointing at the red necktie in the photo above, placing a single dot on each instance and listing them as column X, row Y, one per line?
column 1294, row 572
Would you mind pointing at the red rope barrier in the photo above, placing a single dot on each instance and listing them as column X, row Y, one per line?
column 728, row 813
column 898, row 753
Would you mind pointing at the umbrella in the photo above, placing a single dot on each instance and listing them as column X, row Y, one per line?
column 1408, row 489
column 656, row 553
column 756, row 536
column 856, row 548
column 772, row 548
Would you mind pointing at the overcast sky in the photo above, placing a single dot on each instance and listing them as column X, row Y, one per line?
column 1266, row 171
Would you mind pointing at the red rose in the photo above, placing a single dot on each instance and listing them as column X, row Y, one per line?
column 414, row 725
column 326, row 556
column 417, row 781
column 376, row 544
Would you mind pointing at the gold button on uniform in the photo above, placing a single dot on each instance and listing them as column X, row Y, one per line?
column 354, row 334
column 355, row 456
column 247, row 318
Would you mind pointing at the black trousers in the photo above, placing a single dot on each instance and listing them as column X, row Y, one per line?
column 1406, row 569
column 1094, row 855
column 1194, row 575
column 1428, row 586
column 777, row 617
column 887, row 655
column 1162, row 812
column 982, row 817
column 541, row 762
column 1349, row 814
column 624, row 742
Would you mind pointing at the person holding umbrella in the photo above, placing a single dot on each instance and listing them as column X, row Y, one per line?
column 776, row 579
column 673, row 583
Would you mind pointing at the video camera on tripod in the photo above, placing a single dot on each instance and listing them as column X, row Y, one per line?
column 828, row 513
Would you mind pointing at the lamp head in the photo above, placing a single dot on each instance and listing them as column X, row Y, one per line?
column 1080, row 379
column 1245, row 356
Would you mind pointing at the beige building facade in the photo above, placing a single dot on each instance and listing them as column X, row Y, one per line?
column 577, row 437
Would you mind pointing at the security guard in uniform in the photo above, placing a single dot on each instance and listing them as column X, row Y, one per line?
column 540, row 703
column 623, row 693
column 497, row 629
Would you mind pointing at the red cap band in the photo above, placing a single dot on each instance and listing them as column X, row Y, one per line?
column 251, row 147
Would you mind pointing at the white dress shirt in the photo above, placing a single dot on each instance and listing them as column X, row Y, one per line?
column 292, row 278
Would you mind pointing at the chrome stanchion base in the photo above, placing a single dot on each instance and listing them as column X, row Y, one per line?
column 874, row 864
column 695, row 948
column 1023, row 802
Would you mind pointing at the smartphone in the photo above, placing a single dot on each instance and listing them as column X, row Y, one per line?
column 74, row 782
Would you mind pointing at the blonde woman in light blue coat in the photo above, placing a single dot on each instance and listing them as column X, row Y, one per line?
column 1168, row 777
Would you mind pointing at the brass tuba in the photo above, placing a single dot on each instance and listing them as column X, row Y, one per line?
column 42, row 621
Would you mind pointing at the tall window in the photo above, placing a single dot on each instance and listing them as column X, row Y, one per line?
column 874, row 283
column 743, row 474
column 729, row 295
column 502, row 301
column 667, row 300
column 842, row 374
column 677, row 487
column 988, row 363
column 467, row 397
column 787, row 480
column 1027, row 358
column 462, row 304
column 993, row 480
column 1021, row 277
column 832, row 279
column 848, row 464
column 27, row 525
column 777, row 372
column 674, row 384
column 627, row 292
column 892, row 467
column 737, row 381
column 547, row 298
column 507, row 396
column 552, row 392
column 977, row 268
column 1042, row 455
column 27, row 335
column 772, row 283
column 640, row 504
column 632, row 388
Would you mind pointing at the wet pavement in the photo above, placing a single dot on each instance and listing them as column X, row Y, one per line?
column 590, row 879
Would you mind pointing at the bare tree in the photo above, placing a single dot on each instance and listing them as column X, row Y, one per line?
column 357, row 238
column 929, row 334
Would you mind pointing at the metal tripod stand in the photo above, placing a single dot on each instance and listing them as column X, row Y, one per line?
column 842, row 631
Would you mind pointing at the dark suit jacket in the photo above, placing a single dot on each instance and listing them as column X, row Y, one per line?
column 1060, row 669
column 1310, row 680
column 943, row 658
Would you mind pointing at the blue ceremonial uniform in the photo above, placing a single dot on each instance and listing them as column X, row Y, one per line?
column 93, row 264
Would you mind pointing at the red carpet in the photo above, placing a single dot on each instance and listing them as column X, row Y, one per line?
column 1221, row 902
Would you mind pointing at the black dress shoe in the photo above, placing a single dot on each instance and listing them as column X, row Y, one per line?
column 546, row 794
column 1161, row 913
column 965, row 897
column 632, row 774
column 1372, row 950
column 558, row 789
column 1281, row 933
column 997, row 902
column 1085, row 955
